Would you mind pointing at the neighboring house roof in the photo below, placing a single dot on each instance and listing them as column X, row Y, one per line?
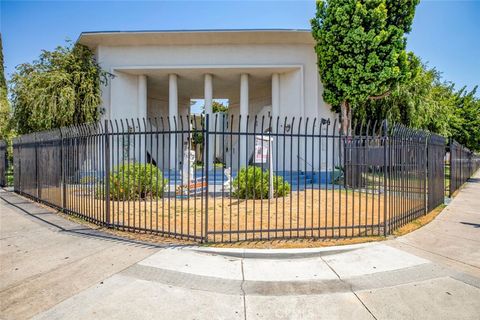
column 196, row 37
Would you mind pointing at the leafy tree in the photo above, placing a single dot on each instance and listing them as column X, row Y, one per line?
column 3, row 82
column 466, row 130
column 6, row 132
column 361, row 50
column 61, row 88
column 218, row 107
column 439, row 113
column 427, row 102
column 416, row 103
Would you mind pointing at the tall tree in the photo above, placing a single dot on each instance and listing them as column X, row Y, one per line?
column 216, row 107
column 3, row 82
column 430, row 103
column 361, row 50
column 4, row 104
column 61, row 88
column 408, row 103
column 466, row 129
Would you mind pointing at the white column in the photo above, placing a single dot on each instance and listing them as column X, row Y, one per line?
column 208, row 93
column 173, row 115
column 142, row 114
column 275, row 98
column 208, row 97
column 244, row 94
column 275, row 113
column 243, row 113
column 142, row 96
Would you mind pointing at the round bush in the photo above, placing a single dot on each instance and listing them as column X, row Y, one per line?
column 88, row 180
column 132, row 181
column 253, row 183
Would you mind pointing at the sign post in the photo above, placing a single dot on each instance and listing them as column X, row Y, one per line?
column 263, row 154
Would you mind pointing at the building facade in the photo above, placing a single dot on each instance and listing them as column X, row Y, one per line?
column 261, row 73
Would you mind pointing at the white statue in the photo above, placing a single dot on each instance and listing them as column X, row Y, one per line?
column 187, row 165
column 228, row 184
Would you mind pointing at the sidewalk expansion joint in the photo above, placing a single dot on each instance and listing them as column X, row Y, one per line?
column 243, row 292
column 351, row 289
column 436, row 254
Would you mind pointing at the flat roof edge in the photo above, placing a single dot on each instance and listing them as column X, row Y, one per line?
column 195, row 30
column 187, row 31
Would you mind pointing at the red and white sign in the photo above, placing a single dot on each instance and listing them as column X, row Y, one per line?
column 262, row 149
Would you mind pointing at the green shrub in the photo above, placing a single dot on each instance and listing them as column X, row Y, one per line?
column 88, row 180
column 132, row 181
column 10, row 176
column 253, row 183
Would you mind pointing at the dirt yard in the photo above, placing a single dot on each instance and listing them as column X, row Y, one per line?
column 310, row 213
column 313, row 213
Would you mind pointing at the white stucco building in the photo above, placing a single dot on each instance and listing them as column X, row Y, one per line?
column 260, row 72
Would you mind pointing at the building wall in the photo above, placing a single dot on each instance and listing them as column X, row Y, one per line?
column 300, row 86
column 300, row 89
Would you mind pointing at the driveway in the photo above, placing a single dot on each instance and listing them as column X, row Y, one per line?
column 52, row 268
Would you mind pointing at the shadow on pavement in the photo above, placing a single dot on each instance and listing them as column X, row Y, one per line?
column 475, row 225
column 52, row 219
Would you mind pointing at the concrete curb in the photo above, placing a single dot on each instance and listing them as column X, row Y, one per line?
column 278, row 254
column 391, row 278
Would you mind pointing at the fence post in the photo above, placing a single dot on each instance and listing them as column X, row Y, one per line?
column 62, row 172
column 107, row 174
column 426, row 187
column 460, row 175
column 451, row 168
column 17, row 174
column 5, row 175
column 36, row 166
column 3, row 172
column 206, row 150
column 385, row 177
column 470, row 167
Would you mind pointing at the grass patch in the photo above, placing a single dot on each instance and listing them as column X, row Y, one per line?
column 294, row 243
column 419, row 222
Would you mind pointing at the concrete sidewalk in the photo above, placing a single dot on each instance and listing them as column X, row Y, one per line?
column 45, row 259
column 432, row 273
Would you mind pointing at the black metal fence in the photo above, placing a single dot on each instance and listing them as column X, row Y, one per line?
column 3, row 164
column 463, row 163
column 230, row 179
column 436, row 171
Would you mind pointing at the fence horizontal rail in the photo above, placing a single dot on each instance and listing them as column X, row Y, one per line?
column 224, row 178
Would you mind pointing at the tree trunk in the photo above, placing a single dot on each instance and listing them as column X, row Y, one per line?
column 349, row 155
column 345, row 113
